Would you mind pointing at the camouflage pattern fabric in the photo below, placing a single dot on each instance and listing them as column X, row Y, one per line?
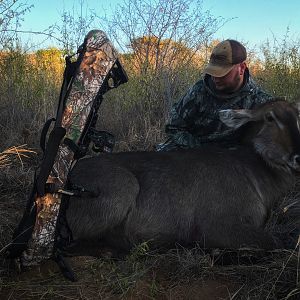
column 194, row 120
column 98, row 60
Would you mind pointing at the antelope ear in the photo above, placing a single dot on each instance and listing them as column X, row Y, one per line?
column 235, row 118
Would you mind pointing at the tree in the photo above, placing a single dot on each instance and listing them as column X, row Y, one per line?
column 11, row 13
column 164, row 38
column 151, row 55
column 164, row 28
column 75, row 24
column 162, row 44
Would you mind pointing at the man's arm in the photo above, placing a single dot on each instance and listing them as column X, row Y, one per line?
column 182, row 119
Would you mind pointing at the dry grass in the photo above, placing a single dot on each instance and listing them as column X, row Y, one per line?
column 9, row 155
column 15, row 182
column 177, row 274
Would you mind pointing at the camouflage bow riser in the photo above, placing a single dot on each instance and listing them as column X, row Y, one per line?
column 97, row 61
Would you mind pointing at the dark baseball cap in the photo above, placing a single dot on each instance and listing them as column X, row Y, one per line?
column 224, row 57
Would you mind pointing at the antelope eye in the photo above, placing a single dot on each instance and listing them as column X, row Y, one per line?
column 269, row 117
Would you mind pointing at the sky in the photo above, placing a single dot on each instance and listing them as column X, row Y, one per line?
column 252, row 22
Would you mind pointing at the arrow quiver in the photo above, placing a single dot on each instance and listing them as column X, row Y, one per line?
column 95, row 71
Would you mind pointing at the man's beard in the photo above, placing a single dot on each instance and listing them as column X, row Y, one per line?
column 228, row 89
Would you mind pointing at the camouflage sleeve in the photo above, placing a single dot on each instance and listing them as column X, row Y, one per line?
column 260, row 96
column 182, row 118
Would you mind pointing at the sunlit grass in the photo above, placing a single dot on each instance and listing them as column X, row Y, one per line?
column 8, row 156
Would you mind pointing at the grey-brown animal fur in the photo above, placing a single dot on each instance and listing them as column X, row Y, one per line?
column 219, row 197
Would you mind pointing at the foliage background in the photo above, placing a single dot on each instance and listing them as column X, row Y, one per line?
column 164, row 46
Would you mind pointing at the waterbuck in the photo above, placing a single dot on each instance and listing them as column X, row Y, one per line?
column 216, row 196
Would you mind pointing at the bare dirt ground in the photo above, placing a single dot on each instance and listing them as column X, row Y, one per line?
column 177, row 274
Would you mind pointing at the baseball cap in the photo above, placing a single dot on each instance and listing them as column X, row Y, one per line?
column 224, row 57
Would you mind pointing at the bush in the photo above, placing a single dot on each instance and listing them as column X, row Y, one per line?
column 135, row 112
column 280, row 73
column 29, row 89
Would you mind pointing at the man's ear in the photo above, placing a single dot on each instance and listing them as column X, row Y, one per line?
column 235, row 118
